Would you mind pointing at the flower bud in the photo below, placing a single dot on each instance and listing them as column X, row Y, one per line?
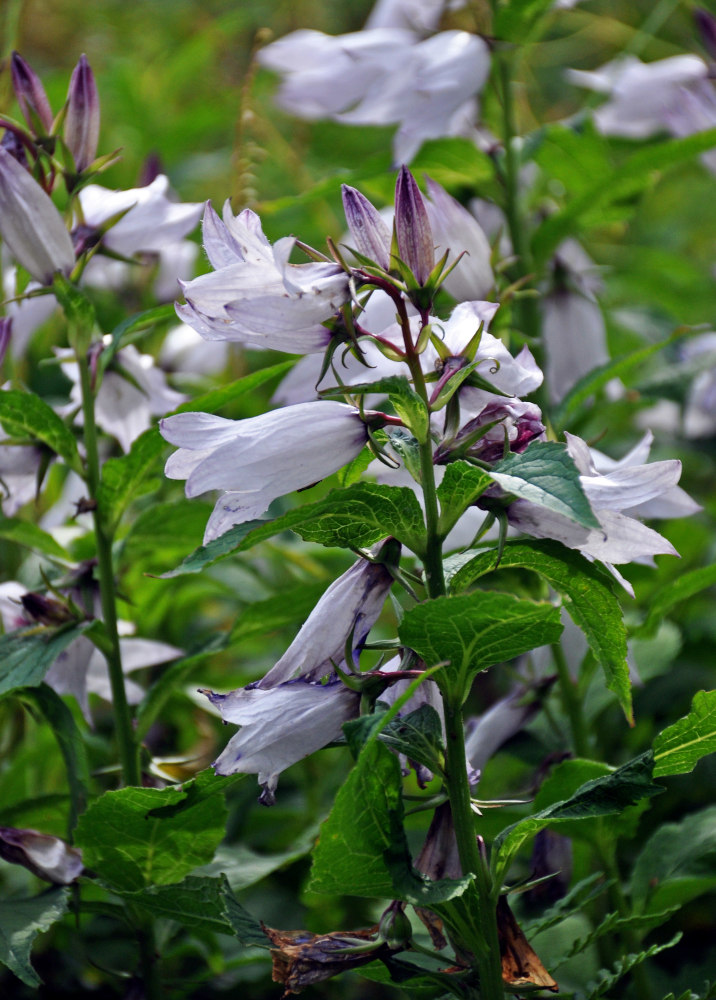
column 47, row 857
column 30, row 224
column 370, row 233
column 81, row 132
column 5, row 333
column 30, row 95
column 412, row 227
column 706, row 26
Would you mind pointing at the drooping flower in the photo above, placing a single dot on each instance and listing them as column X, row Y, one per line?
column 260, row 458
column 630, row 489
column 30, row 225
column 254, row 295
column 301, row 704
column 45, row 856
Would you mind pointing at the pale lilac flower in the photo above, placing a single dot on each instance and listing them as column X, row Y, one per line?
column 692, row 110
column 700, row 409
column 457, row 230
column 185, row 351
column 125, row 406
column 255, row 296
column 300, row 705
column 81, row 129
column 30, row 225
column 45, row 856
column 617, row 498
column 422, row 16
column 383, row 76
column 640, row 94
column 260, row 458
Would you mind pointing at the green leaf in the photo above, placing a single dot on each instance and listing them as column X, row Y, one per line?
column 144, row 321
column 602, row 796
column 419, row 736
column 70, row 742
column 202, row 904
column 613, row 924
column 244, row 867
column 122, row 477
column 685, row 586
column 21, row 920
column 212, row 401
column 134, row 837
column 453, row 162
column 291, row 607
column 26, row 654
column 680, row 747
column 362, row 850
column 597, row 378
column 409, row 406
column 352, row 518
column 476, row 631
column 515, row 19
column 30, row 535
column 461, row 485
column 588, row 598
column 623, row 181
column 546, row 475
column 24, row 415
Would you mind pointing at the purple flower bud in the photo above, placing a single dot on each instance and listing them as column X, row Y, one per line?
column 5, row 332
column 47, row 857
column 30, row 94
column 30, row 225
column 370, row 233
column 81, row 131
column 412, row 226
column 706, row 27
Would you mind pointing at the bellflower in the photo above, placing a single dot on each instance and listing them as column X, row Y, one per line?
column 30, row 225
column 640, row 94
column 45, row 856
column 617, row 498
column 81, row 131
column 300, row 705
column 254, row 295
column 124, row 406
column 260, row 458
column 457, row 230
column 383, row 76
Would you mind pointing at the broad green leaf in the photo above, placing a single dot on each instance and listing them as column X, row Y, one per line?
column 210, row 402
column 679, row 748
column 453, row 162
column 624, row 180
column 418, row 735
column 597, row 378
column 602, row 796
column 21, row 920
column 160, row 533
column 362, row 850
column 290, row 607
column 26, row 654
column 134, row 837
column 70, row 742
column 409, row 406
column 588, row 598
column 685, row 586
column 123, row 477
column 476, row 631
column 24, row 415
column 461, row 485
column 33, row 537
column 244, row 867
column 515, row 20
column 201, row 903
column 546, row 475
column 352, row 518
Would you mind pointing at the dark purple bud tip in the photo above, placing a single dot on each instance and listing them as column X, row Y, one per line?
column 81, row 131
column 30, row 95
column 412, row 226
column 706, row 27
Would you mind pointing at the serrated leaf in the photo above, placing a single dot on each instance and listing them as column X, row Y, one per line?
column 586, row 890
column 24, row 415
column 624, row 180
column 589, row 600
column 616, row 925
column 476, row 631
column 680, row 747
column 21, row 920
column 71, row 745
column 677, row 864
column 352, row 518
column 461, row 485
column 602, row 796
column 609, row 978
column 202, row 903
column 30, row 535
column 419, row 736
column 26, row 654
column 362, row 850
column 546, row 476
column 134, row 837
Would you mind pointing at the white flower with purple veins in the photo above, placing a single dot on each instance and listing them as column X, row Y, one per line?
column 153, row 224
column 383, row 76
column 301, row 705
column 260, row 458
column 641, row 95
column 254, row 295
column 125, row 406
column 619, row 493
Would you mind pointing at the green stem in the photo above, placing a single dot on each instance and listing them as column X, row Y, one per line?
column 572, row 704
column 123, row 721
column 630, row 939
